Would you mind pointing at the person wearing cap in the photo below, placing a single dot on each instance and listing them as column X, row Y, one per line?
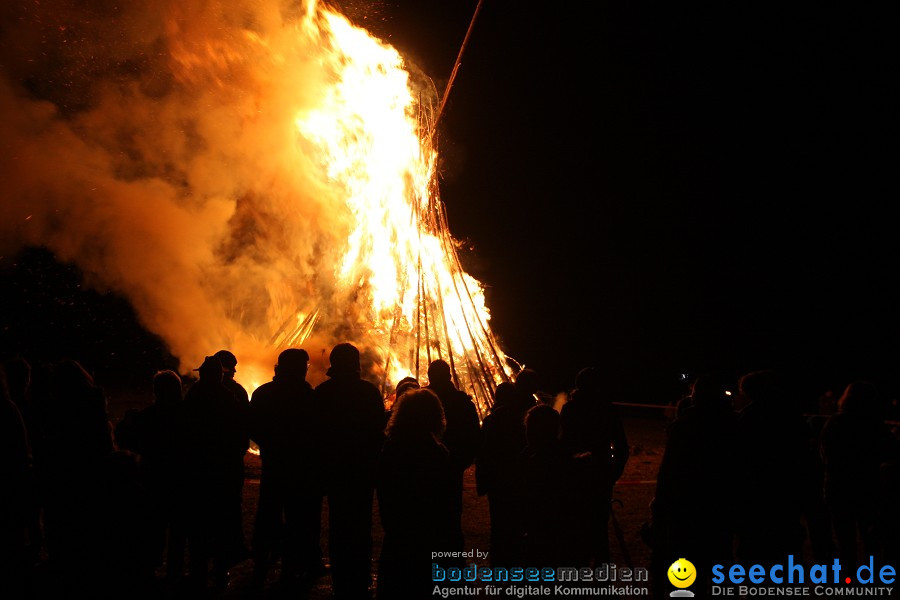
column 352, row 430
column 284, row 425
column 229, row 368
column 212, row 432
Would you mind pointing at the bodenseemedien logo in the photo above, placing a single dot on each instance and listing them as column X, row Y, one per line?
column 682, row 574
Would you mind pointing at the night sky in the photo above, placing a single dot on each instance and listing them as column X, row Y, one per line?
column 649, row 190
column 677, row 188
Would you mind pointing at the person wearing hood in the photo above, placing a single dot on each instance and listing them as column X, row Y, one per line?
column 285, row 426
column 352, row 433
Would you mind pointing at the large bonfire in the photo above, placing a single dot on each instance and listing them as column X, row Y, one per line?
column 251, row 177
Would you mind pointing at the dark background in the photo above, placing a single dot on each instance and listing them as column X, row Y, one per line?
column 652, row 190
column 657, row 190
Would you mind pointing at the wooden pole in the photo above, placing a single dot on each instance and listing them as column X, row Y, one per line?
column 456, row 64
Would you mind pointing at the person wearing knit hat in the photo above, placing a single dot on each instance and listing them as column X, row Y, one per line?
column 229, row 367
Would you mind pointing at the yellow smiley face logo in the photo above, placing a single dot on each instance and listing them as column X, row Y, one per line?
column 682, row 573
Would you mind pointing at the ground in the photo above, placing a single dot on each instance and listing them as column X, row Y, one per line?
column 646, row 430
column 645, row 427
column 633, row 494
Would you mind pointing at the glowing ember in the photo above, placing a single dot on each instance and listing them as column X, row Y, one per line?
column 251, row 179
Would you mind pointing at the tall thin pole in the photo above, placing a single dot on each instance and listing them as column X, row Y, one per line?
column 456, row 64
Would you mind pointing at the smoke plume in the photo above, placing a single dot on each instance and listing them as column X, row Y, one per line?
column 153, row 145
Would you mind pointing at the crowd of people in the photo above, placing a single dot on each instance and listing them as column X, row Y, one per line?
column 759, row 483
column 154, row 503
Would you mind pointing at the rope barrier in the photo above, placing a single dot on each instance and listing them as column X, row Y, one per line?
column 672, row 407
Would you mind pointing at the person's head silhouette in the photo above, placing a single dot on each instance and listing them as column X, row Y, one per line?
column 210, row 370
column 504, row 395
column 344, row 361
column 708, row 391
column 860, row 398
column 406, row 384
column 438, row 373
column 292, row 363
column 228, row 361
column 418, row 412
column 167, row 388
column 541, row 426
column 588, row 380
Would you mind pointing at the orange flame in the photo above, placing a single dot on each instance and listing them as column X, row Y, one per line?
column 254, row 178
column 371, row 135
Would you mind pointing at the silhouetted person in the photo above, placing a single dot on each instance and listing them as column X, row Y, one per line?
column 772, row 442
column 415, row 496
column 152, row 433
column 15, row 497
column 555, row 495
column 590, row 423
column 76, row 439
column 889, row 513
column 352, row 433
column 229, row 366
column 693, row 510
column 497, row 474
column 285, row 426
column 404, row 385
column 213, row 431
column 855, row 443
column 528, row 385
column 461, row 437
column 683, row 404
column 815, row 511
column 129, row 552
column 18, row 379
